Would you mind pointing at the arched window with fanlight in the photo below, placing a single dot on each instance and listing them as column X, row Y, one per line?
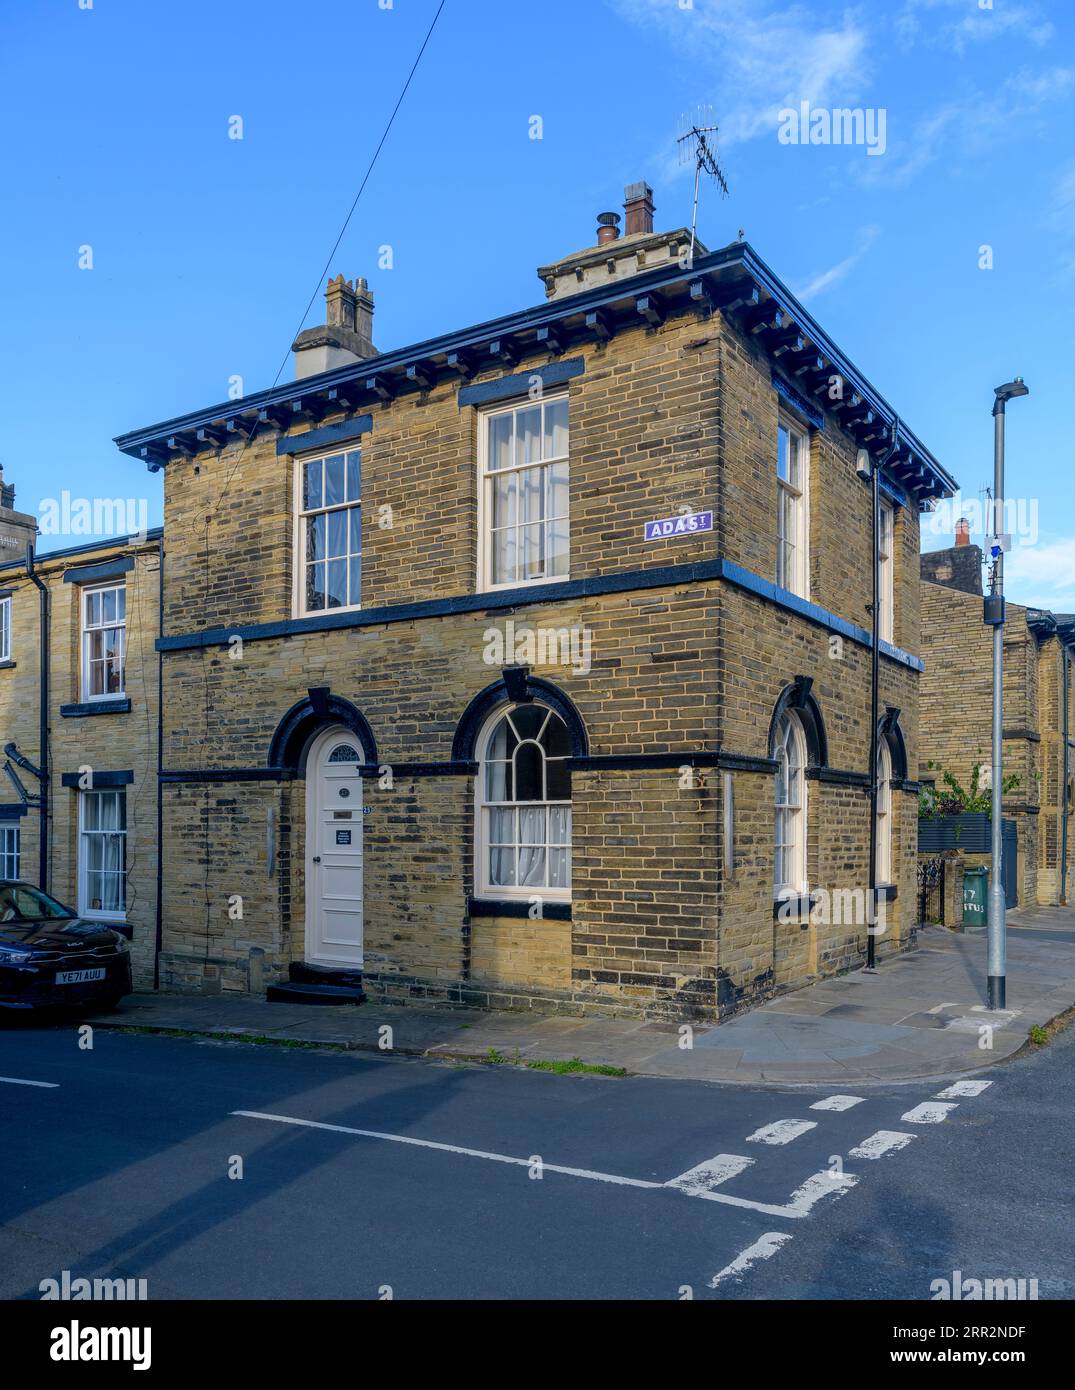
column 789, row 829
column 524, row 804
column 884, row 812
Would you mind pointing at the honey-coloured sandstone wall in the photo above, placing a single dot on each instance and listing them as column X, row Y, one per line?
column 124, row 741
column 679, row 417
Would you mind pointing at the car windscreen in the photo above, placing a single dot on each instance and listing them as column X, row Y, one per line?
column 20, row 903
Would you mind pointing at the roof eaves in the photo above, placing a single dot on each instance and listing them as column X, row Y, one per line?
column 706, row 281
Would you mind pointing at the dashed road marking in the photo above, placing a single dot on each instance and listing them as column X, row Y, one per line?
column 764, row 1247
column 930, row 1112
column 710, row 1174
column 963, row 1088
column 885, row 1141
column 837, row 1103
column 799, row 1204
column 18, row 1081
column 781, row 1131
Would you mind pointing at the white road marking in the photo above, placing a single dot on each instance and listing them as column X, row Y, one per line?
column 885, row 1141
column 931, row 1112
column 798, row 1205
column 762, row 1249
column 18, row 1081
column 801, row 1201
column 963, row 1088
column 710, row 1174
column 837, row 1103
column 450, row 1148
column 781, row 1131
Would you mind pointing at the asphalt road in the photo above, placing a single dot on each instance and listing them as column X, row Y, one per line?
column 119, row 1167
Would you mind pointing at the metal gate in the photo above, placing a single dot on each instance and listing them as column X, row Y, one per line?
column 931, row 891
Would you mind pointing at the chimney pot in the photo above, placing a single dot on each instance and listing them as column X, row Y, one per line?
column 962, row 531
column 638, row 205
column 607, row 227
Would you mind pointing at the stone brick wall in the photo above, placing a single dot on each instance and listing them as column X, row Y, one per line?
column 108, row 742
column 681, row 417
column 956, row 727
column 1054, row 805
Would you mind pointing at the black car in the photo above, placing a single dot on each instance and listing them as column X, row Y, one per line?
column 51, row 956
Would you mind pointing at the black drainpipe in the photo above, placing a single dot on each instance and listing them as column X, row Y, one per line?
column 875, row 664
column 1065, row 668
column 158, row 939
column 43, row 730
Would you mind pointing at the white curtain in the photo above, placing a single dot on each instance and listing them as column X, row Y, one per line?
column 532, row 847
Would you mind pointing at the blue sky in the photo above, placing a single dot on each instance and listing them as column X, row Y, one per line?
column 206, row 249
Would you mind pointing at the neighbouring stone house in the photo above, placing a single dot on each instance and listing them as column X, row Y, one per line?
column 78, row 700
column 957, row 710
column 529, row 666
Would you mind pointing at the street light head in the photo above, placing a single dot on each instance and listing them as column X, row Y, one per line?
column 1008, row 392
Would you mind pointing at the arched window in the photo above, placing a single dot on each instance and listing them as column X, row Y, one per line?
column 524, row 805
column 343, row 753
column 789, row 831
column 884, row 813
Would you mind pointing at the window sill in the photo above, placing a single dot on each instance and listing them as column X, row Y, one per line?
column 120, row 705
column 523, row 584
column 551, row 910
column 325, row 612
column 887, row 892
column 7, row 665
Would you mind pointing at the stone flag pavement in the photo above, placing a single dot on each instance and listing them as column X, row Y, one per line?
column 920, row 1015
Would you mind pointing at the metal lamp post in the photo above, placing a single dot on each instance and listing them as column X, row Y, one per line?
column 994, row 615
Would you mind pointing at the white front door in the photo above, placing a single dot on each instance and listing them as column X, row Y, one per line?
column 334, row 851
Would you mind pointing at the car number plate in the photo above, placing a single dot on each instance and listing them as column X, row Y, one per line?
column 78, row 977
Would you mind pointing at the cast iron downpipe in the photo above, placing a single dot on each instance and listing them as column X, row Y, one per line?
column 875, row 664
column 43, row 728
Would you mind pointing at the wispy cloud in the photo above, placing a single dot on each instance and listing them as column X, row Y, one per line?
column 825, row 279
column 761, row 57
column 973, row 26
column 973, row 125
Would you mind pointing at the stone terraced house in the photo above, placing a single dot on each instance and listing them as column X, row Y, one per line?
column 1039, row 736
column 530, row 666
column 78, row 702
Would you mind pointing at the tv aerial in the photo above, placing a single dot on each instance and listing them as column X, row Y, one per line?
column 696, row 140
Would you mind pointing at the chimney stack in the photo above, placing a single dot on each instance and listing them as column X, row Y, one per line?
column 617, row 257
column 638, row 205
column 345, row 336
column 962, row 531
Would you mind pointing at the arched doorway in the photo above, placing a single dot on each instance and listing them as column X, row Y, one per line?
column 334, row 874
